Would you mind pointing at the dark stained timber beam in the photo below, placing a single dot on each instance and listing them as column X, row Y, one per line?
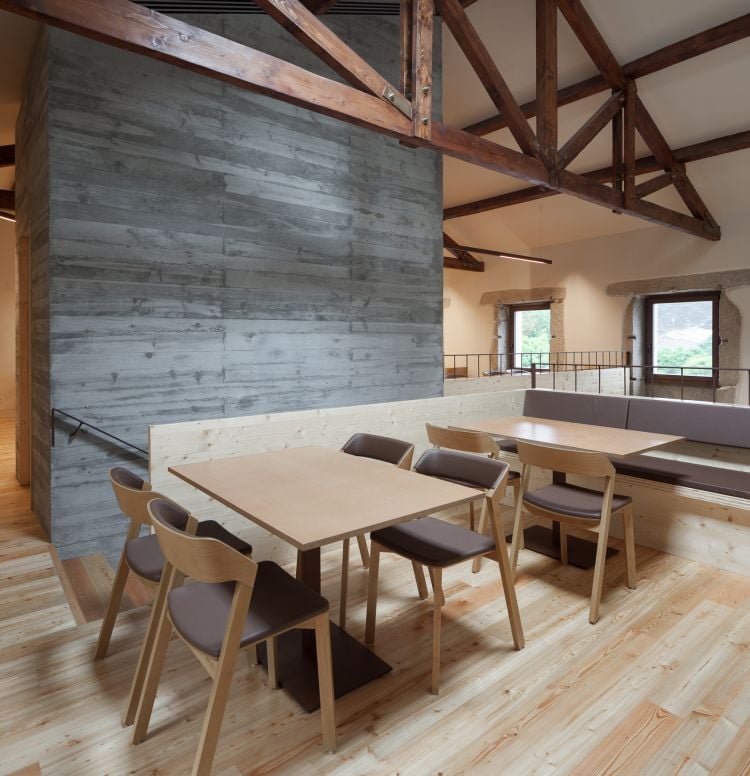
column 479, row 58
column 7, row 156
column 589, row 131
column 546, row 79
column 406, row 47
column 320, row 6
column 462, row 258
column 422, row 33
column 673, row 54
column 7, row 200
column 591, row 39
column 653, row 185
column 643, row 166
column 312, row 33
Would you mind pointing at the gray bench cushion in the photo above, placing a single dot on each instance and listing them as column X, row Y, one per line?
column 713, row 424
column 577, row 407
column 713, row 479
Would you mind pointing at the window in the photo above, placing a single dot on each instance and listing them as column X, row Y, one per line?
column 682, row 335
column 529, row 334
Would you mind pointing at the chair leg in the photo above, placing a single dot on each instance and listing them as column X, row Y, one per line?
column 476, row 564
column 627, row 518
column 113, row 607
column 436, row 574
column 272, row 653
column 516, row 485
column 252, row 655
column 136, row 686
column 372, row 594
column 420, row 580
column 471, row 516
column 363, row 551
column 217, row 704
column 151, row 680
column 325, row 681
column 344, row 591
column 601, row 557
column 563, row 544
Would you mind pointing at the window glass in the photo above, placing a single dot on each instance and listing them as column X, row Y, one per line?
column 682, row 335
column 531, row 337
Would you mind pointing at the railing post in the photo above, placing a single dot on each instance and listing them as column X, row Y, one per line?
column 533, row 375
column 599, row 370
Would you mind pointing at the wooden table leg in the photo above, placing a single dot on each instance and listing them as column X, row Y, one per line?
column 354, row 664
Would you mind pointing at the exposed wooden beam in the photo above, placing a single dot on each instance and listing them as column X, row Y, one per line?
column 424, row 11
column 589, row 130
column 406, row 47
column 7, row 156
column 670, row 55
column 479, row 58
column 7, row 200
column 591, row 39
column 646, row 164
column 628, row 161
column 654, row 184
column 617, row 150
column 462, row 258
column 312, row 33
column 546, row 79
column 660, row 148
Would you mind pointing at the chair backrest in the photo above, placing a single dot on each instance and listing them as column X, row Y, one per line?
column 562, row 460
column 381, row 448
column 457, row 439
column 203, row 559
column 132, row 493
column 464, row 468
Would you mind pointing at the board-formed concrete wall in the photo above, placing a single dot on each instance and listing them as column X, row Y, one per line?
column 215, row 253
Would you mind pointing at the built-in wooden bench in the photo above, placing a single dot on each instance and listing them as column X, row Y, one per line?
column 691, row 498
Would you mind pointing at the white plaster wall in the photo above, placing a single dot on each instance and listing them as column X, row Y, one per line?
column 7, row 319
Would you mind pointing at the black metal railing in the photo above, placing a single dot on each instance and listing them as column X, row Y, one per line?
column 492, row 364
column 80, row 424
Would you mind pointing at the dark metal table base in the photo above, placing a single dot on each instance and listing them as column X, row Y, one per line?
column 354, row 665
column 546, row 541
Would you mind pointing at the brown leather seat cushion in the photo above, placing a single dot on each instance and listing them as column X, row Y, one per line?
column 200, row 610
column 573, row 500
column 381, row 448
column 594, row 409
column 474, row 471
column 713, row 479
column 144, row 554
column 433, row 542
column 507, row 445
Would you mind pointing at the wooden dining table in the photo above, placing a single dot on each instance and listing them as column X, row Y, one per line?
column 312, row 497
column 615, row 443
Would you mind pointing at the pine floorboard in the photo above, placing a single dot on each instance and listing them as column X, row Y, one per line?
column 661, row 685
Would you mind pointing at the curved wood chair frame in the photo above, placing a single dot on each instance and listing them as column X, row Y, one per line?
column 587, row 464
column 209, row 560
column 491, row 511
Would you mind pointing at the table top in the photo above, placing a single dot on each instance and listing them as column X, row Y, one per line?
column 614, row 442
column 312, row 496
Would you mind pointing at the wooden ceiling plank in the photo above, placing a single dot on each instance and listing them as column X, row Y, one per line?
column 589, row 130
column 591, row 39
column 546, row 79
column 660, row 148
column 479, row 58
column 706, row 149
column 7, row 156
column 673, row 54
column 312, row 33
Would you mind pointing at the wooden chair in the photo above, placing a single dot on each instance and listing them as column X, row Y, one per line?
column 471, row 442
column 571, row 505
column 232, row 603
column 388, row 450
column 437, row 544
column 141, row 554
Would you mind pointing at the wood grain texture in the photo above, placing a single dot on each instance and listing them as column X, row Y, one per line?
column 630, row 684
column 217, row 253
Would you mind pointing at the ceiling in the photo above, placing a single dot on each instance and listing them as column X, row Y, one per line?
column 692, row 101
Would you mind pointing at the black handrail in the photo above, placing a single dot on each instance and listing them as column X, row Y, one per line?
column 81, row 423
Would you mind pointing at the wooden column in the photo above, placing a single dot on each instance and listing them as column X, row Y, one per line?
column 546, row 79
column 629, row 143
column 23, row 361
column 422, row 60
